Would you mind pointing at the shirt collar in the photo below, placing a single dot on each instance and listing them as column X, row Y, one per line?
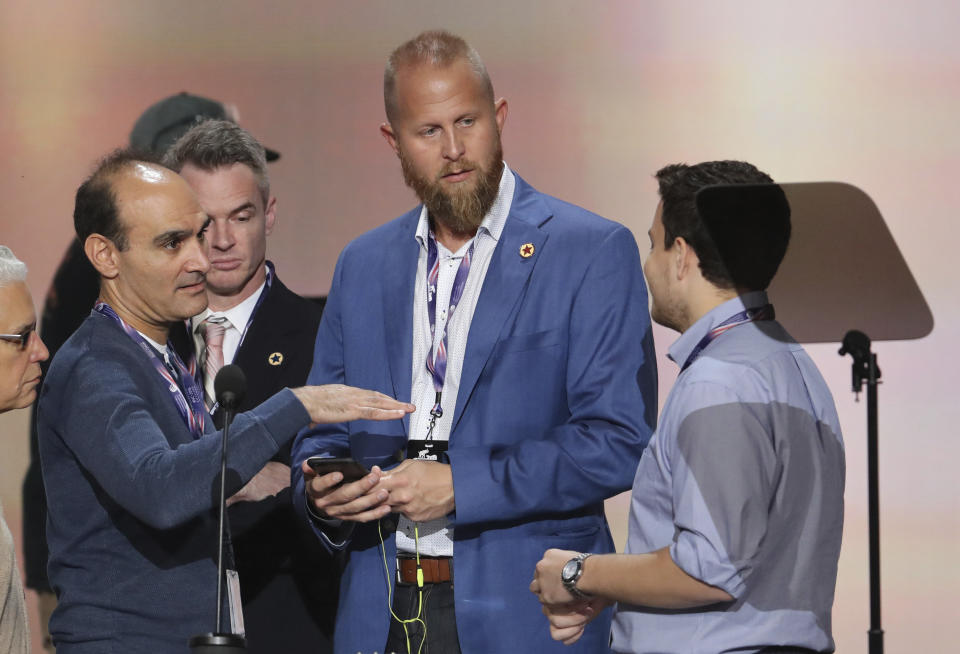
column 496, row 217
column 684, row 346
column 238, row 316
column 160, row 348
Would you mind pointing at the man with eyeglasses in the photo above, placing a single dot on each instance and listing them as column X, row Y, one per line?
column 21, row 352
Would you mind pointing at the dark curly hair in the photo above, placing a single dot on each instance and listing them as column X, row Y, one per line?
column 733, row 216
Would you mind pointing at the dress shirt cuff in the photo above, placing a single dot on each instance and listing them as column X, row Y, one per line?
column 697, row 557
column 334, row 530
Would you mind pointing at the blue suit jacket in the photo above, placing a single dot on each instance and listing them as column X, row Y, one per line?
column 556, row 403
column 131, row 494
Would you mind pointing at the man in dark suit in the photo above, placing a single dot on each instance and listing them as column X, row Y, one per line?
column 288, row 581
column 129, row 453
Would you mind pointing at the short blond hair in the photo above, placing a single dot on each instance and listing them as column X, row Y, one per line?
column 436, row 48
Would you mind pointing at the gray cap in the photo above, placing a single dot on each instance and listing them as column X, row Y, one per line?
column 169, row 119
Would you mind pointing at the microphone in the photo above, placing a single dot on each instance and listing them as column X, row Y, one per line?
column 229, row 386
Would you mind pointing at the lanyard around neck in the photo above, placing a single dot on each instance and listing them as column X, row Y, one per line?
column 747, row 315
column 437, row 355
column 189, row 398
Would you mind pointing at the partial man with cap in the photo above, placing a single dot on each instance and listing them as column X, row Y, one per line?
column 21, row 352
column 167, row 120
column 518, row 325
column 737, row 506
column 129, row 453
column 287, row 580
column 72, row 293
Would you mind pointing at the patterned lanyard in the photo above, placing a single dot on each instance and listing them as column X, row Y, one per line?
column 748, row 315
column 437, row 363
column 192, row 363
column 189, row 400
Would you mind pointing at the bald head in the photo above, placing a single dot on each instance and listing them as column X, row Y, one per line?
column 96, row 208
column 143, row 229
column 439, row 49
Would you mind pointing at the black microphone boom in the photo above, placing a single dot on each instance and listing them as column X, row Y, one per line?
column 229, row 386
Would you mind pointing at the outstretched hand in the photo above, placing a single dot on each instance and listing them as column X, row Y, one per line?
column 332, row 403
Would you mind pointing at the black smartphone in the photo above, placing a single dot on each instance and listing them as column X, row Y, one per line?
column 351, row 469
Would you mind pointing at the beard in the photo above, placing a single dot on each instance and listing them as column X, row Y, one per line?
column 461, row 210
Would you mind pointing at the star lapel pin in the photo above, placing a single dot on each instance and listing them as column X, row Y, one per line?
column 275, row 359
column 527, row 250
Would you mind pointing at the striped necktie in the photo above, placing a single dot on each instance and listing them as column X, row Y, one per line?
column 213, row 330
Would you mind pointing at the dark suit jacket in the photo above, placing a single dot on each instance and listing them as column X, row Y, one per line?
column 288, row 581
column 132, row 527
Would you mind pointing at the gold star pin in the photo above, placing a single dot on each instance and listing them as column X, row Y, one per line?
column 275, row 359
column 527, row 250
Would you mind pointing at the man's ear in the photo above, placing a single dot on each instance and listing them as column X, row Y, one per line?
column 270, row 214
column 102, row 253
column 500, row 113
column 686, row 260
column 386, row 130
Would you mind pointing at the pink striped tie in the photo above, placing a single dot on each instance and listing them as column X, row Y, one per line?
column 213, row 354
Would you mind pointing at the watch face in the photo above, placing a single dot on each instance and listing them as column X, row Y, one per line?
column 569, row 571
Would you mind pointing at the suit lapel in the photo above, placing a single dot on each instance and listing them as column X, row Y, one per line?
column 399, row 277
column 268, row 324
column 503, row 286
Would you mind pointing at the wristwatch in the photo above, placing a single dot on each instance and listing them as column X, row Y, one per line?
column 571, row 572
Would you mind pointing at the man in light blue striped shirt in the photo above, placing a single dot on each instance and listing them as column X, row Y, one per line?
column 737, row 504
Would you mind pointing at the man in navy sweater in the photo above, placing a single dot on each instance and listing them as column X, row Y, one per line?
column 129, row 454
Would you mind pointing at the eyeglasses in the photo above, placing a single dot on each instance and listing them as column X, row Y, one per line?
column 21, row 339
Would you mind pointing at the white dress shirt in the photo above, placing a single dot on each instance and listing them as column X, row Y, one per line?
column 435, row 535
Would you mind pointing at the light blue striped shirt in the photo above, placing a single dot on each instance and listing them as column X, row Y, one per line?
column 743, row 481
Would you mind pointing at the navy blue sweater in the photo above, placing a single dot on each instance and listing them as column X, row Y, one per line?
column 131, row 494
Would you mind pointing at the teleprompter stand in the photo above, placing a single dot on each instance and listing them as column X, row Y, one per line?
column 842, row 269
column 857, row 345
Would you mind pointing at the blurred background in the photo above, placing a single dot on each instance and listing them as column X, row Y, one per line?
column 601, row 95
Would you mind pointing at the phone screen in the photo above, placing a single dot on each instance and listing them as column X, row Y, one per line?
column 351, row 469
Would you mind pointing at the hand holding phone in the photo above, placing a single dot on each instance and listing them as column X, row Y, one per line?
column 352, row 498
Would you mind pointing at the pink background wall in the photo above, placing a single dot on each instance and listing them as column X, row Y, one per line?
column 601, row 95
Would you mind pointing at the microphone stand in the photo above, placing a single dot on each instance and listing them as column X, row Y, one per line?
column 857, row 345
column 221, row 643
